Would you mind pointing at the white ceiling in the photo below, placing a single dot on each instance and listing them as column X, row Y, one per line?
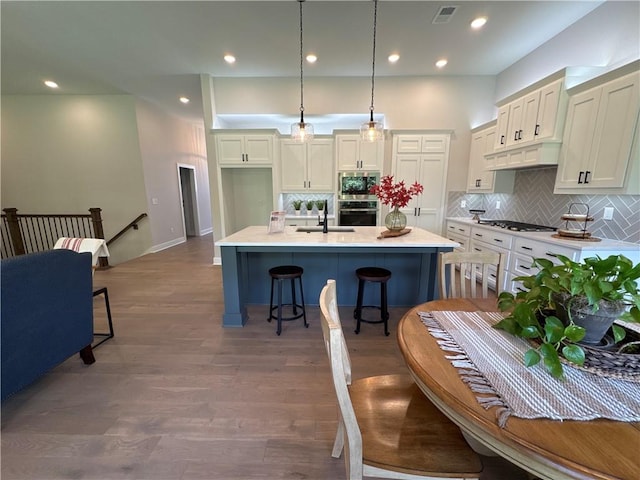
column 157, row 50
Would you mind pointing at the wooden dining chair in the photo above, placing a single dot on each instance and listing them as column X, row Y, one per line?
column 460, row 272
column 387, row 427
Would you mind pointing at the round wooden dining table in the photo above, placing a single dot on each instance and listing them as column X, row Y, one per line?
column 549, row 449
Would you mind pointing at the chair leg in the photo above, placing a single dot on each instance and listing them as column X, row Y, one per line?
column 271, row 303
column 304, row 308
column 338, row 444
column 86, row 354
column 111, row 333
column 279, row 330
column 293, row 296
column 358, row 311
column 384, row 311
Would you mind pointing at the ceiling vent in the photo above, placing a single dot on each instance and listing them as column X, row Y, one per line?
column 444, row 14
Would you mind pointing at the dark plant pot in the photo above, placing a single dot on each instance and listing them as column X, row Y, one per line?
column 596, row 324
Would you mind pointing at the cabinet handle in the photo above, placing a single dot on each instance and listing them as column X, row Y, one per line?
column 586, row 176
column 524, row 268
column 478, row 235
column 477, row 249
column 461, row 229
column 501, row 139
column 552, row 255
column 497, row 240
column 580, row 178
column 536, row 131
column 309, row 184
column 515, row 135
column 526, row 248
column 519, row 134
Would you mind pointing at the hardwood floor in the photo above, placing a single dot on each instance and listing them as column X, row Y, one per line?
column 176, row 396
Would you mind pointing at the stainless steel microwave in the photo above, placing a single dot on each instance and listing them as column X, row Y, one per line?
column 356, row 185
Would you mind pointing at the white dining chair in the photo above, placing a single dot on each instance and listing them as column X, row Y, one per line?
column 387, row 427
column 460, row 272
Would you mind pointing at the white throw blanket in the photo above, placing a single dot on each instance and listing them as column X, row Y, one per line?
column 96, row 246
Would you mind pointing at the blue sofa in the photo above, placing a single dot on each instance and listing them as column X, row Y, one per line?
column 46, row 314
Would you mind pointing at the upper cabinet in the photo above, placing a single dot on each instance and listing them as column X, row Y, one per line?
column 480, row 178
column 355, row 154
column 245, row 150
column 598, row 154
column 530, row 125
column 307, row 166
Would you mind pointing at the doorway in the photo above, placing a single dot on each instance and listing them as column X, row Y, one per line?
column 189, row 199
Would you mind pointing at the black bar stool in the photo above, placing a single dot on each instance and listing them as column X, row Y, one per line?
column 377, row 275
column 287, row 272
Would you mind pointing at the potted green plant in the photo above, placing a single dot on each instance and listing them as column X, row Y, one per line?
column 320, row 205
column 309, row 204
column 557, row 304
column 297, row 205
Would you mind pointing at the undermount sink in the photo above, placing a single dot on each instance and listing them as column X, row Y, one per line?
column 318, row 228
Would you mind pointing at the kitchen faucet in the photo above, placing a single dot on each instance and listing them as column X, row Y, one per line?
column 325, row 225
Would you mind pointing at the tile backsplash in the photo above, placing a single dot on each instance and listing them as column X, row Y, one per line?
column 533, row 201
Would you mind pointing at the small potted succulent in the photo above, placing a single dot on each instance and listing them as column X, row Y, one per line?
column 309, row 204
column 297, row 205
column 320, row 205
column 563, row 305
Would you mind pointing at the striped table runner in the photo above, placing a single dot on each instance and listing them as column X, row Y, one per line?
column 490, row 362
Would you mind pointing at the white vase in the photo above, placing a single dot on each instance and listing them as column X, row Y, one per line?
column 298, row 212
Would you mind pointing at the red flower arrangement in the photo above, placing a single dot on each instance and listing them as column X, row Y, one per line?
column 395, row 194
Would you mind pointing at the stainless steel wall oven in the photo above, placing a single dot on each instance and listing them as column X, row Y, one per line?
column 356, row 206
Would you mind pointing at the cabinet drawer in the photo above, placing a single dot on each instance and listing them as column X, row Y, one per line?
column 500, row 239
column 535, row 249
column 459, row 229
column 521, row 265
column 463, row 241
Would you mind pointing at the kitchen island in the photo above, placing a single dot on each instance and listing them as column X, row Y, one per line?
column 248, row 255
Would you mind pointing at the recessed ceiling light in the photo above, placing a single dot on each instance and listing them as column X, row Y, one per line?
column 229, row 58
column 51, row 84
column 311, row 58
column 394, row 57
column 184, row 100
column 441, row 63
column 478, row 22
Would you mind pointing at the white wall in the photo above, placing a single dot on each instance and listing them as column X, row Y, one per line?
column 608, row 37
column 165, row 142
column 67, row 153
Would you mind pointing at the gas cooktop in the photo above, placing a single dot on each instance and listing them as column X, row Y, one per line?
column 517, row 226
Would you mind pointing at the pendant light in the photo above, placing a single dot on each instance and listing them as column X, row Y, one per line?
column 371, row 131
column 301, row 131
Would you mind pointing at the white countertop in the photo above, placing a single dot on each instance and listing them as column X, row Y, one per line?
column 361, row 237
column 614, row 246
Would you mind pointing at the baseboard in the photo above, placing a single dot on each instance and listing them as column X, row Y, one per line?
column 217, row 260
column 206, row 231
column 165, row 245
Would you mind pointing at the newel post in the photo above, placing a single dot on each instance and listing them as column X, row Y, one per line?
column 96, row 220
column 14, row 230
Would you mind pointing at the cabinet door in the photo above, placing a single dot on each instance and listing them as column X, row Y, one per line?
column 578, row 137
column 230, row 149
column 320, row 165
column 549, row 104
column 615, row 125
column 258, row 149
column 530, row 105
column 501, row 128
column 476, row 161
column 431, row 202
column 294, row 173
column 408, row 169
column 347, row 152
column 409, row 144
column 515, row 121
column 371, row 154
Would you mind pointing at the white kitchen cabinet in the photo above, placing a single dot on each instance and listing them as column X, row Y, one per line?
column 597, row 153
column 245, row 150
column 459, row 232
column 354, row 154
column 428, row 168
column 479, row 178
column 307, row 166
